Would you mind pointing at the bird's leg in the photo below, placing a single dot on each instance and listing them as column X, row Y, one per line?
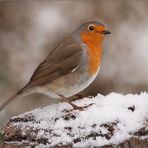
column 77, row 97
column 81, row 108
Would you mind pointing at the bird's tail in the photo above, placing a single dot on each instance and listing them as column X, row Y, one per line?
column 21, row 93
column 8, row 101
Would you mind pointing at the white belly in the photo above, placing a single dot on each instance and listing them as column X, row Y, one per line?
column 78, row 87
column 69, row 85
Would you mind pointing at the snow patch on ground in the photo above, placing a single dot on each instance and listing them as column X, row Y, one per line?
column 128, row 112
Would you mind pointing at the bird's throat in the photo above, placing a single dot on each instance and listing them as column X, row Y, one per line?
column 94, row 50
column 94, row 55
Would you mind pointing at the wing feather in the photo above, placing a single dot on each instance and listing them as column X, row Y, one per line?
column 60, row 61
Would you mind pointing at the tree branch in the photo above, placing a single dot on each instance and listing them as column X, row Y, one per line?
column 113, row 120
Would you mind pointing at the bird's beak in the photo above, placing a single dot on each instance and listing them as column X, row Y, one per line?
column 106, row 32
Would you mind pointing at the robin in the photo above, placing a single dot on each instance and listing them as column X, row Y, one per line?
column 70, row 67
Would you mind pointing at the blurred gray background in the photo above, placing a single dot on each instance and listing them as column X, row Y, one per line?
column 29, row 29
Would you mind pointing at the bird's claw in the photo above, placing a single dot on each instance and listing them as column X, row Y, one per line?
column 81, row 108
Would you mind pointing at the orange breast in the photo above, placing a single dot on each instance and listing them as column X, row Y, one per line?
column 94, row 51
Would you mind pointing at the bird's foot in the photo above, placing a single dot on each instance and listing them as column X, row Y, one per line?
column 80, row 108
column 75, row 107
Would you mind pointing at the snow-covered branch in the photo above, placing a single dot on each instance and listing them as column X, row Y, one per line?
column 115, row 119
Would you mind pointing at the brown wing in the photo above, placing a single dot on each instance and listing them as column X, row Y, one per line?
column 60, row 61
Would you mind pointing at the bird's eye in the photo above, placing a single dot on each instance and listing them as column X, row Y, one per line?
column 91, row 28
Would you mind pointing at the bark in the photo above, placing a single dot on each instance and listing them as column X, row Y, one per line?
column 21, row 131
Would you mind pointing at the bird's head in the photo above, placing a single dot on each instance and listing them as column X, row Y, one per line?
column 93, row 33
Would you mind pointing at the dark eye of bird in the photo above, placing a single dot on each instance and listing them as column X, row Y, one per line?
column 91, row 28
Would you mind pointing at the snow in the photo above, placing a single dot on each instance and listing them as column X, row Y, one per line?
column 126, row 113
